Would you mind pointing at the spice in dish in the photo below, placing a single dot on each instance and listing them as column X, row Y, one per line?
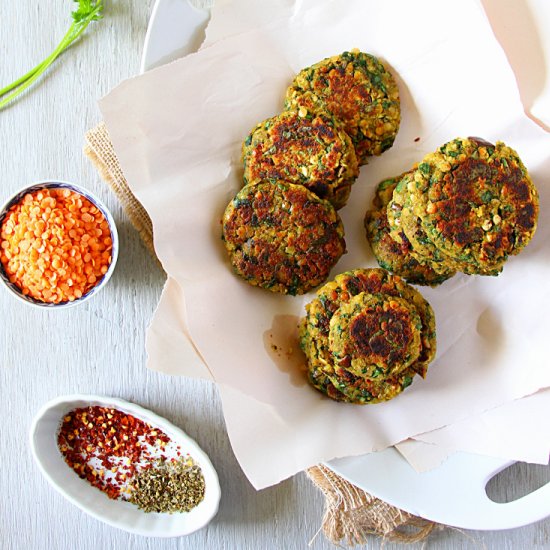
column 168, row 486
column 130, row 460
column 105, row 446
column 55, row 245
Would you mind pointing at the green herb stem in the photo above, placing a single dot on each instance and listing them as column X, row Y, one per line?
column 86, row 13
column 24, row 82
column 33, row 71
column 20, row 81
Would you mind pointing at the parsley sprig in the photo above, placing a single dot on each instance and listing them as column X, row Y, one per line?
column 86, row 12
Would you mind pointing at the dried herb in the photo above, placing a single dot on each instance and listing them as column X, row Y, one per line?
column 168, row 486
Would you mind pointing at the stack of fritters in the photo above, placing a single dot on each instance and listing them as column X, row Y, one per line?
column 366, row 335
column 281, row 231
column 466, row 207
column 337, row 113
column 393, row 250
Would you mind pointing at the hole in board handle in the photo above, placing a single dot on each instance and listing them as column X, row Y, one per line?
column 517, row 481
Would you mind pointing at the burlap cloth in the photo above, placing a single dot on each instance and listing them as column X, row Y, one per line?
column 351, row 514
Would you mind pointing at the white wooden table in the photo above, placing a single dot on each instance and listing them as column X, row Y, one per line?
column 99, row 346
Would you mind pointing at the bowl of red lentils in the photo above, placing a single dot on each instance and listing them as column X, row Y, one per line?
column 58, row 244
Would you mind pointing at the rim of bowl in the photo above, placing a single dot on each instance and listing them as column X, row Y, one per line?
column 97, row 202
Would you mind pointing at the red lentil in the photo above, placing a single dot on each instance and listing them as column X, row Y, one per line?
column 98, row 440
column 55, row 245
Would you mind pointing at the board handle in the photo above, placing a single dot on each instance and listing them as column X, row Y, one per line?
column 530, row 508
column 453, row 494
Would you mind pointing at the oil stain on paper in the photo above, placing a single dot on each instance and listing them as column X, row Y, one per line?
column 283, row 347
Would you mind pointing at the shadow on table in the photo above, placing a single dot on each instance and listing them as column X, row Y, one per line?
column 136, row 265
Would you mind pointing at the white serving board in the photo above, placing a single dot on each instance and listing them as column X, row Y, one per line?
column 453, row 493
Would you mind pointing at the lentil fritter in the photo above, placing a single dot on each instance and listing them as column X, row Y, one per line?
column 358, row 90
column 405, row 227
column 392, row 249
column 466, row 207
column 334, row 377
column 476, row 202
column 374, row 335
column 310, row 149
column 282, row 237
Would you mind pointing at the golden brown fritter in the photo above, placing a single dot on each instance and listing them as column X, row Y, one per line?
column 282, row 237
column 375, row 335
column 476, row 202
column 395, row 253
column 358, row 90
column 373, row 281
column 332, row 378
column 311, row 150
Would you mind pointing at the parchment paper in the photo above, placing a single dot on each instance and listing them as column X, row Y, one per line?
column 422, row 456
column 515, row 431
column 177, row 132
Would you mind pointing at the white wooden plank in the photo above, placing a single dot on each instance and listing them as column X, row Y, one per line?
column 99, row 347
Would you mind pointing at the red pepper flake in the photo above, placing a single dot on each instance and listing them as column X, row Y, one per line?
column 85, row 441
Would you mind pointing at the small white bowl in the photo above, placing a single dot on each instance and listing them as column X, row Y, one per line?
column 56, row 184
column 117, row 513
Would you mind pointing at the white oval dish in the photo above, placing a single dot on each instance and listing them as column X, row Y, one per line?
column 117, row 513
column 58, row 184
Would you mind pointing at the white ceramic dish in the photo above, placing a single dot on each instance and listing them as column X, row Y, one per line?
column 454, row 493
column 126, row 516
column 175, row 29
column 57, row 184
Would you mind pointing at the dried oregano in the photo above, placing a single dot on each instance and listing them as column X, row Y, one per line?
column 168, row 486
